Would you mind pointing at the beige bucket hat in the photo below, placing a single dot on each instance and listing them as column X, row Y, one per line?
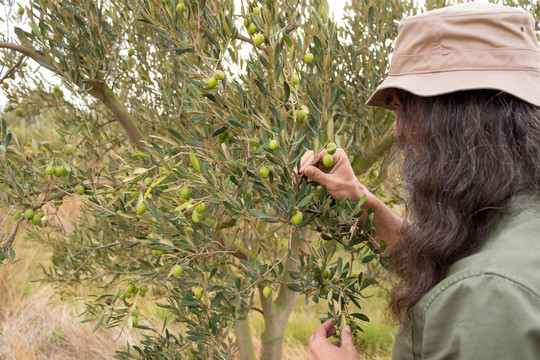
column 464, row 47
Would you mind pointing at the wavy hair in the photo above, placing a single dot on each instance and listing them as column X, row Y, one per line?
column 463, row 151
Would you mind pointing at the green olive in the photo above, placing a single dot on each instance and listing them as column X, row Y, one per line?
column 141, row 208
column 258, row 39
column 185, row 194
column 201, row 208
column 219, row 74
column 211, row 82
column 28, row 214
column 79, row 190
column 331, row 148
column 198, row 292
column 328, row 160
column 274, row 144
column 263, row 171
column 301, row 115
column 296, row 218
column 267, row 291
column 68, row 150
column 252, row 29
column 177, row 271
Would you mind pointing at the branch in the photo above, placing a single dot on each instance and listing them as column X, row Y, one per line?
column 288, row 31
column 228, row 223
column 103, row 93
column 286, row 299
column 277, row 313
column 230, row 248
column 361, row 164
column 99, row 90
column 249, row 40
column 244, row 38
column 9, row 240
column 12, row 69
column 28, row 52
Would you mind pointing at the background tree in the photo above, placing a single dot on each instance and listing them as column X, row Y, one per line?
column 179, row 125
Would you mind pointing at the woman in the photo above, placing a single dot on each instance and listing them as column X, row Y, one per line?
column 465, row 81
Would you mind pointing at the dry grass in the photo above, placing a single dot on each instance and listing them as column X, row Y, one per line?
column 35, row 328
column 35, row 325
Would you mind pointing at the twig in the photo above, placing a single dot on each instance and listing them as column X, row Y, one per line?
column 244, row 38
column 12, row 69
column 9, row 241
column 288, row 31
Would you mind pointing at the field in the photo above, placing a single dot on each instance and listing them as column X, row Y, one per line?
column 36, row 323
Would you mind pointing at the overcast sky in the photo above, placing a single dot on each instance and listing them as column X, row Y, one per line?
column 336, row 7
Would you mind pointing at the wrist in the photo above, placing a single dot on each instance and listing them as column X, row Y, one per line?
column 359, row 191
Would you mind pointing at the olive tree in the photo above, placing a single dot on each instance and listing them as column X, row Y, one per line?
column 180, row 125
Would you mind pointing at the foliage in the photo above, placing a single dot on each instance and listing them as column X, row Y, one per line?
column 148, row 123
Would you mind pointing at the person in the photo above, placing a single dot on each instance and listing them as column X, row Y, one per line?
column 465, row 82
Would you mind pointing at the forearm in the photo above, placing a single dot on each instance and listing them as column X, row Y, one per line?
column 388, row 226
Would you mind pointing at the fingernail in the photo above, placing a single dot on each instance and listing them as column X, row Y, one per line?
column 309, row 171
column 347, row 328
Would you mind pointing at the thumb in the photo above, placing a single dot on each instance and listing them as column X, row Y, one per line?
column 346, row 337
column 317, row 175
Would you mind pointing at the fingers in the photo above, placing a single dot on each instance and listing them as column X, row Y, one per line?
column 340, row 156
column 326, row 329
column 346, row 337
column 316, row 174
column 306, row 160
column 310, row 159
column 313, row 167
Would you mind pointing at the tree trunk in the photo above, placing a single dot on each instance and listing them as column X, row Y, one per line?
column 276, row 314
column 272, row 339
column 246, row 350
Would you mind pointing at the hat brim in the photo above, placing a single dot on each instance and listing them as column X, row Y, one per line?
column 524, row 85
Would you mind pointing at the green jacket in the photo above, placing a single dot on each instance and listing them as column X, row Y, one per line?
column 488, row 306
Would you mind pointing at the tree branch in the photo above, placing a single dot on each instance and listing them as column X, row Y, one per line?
column 244, row 38
column 288, row 31
column 9, row 240
column 219, row 239
column 12, row 69
column 361, row 164
column 276, row 314
column 103, row 93
column 28, row 52
column 99, row 90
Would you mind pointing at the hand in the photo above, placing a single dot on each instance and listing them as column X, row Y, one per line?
column 341, row 183
column 320, row 348
column 340, row 180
